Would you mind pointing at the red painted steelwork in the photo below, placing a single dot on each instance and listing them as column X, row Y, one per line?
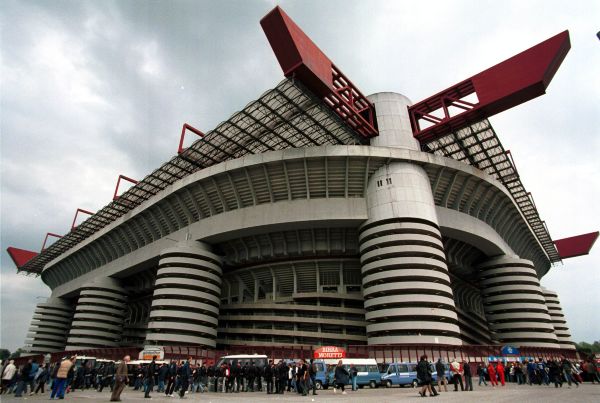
column 115, row 197
column 516, row 80
column 576, row 245
column 79, row 210
column 183, row 129
column 20, row 256
column 46, row 239
column 301, row 58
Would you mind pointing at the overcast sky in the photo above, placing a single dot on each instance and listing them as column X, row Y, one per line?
column 93, row 89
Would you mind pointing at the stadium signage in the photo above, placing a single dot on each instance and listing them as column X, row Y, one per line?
column 510, row 350
column 150, row 351
column 328, row 352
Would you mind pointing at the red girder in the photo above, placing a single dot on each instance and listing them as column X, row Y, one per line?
column 576, row 245
column 20, row 256
column 46, row 239
column 301, row 59
column 79, row 210
column 183, row 130
column 501, row 87
column 115, row 197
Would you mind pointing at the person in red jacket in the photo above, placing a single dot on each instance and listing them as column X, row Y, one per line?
column 500, row 371
column 492, row 374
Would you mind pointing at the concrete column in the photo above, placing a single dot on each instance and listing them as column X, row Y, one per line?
column 98, row 319
column 514, row 304
column 49, row 326
column 405, row 281
column 187, row 295
column 558, row 320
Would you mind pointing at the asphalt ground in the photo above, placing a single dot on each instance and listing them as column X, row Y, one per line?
column 511, row 393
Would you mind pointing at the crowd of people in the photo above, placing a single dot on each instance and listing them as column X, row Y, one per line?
column 538, row 372
column 239, row 377
column 179, row 378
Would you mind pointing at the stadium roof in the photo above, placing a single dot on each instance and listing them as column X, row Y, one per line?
column 288, row 116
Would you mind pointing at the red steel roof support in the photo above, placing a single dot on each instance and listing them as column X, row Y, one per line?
column 115, row 197
column 300, row 58
column 79, row 210
column 183, row 129
column 46, row 239
column 501, row 87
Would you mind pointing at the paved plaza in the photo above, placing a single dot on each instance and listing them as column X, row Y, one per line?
column 509, row 394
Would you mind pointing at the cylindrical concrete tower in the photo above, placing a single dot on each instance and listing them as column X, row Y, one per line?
column 558, row 319
column 49, row 326
column 406, row 285
column 98, row 319
column 514, row 304
column 187, row 295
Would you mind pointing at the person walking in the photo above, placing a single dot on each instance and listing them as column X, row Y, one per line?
column 268, row 373
column 251, row 375
column 185, row 377
column 457, row 373
column 500, row 372
column 440, row 369
column 302, row 376
column 202, row 371
column 8, row 376
column 519, row 373
column 121, row 379
column 567, row 369
column 24, row 379
column 531, row 373
column 149, row 378
column 481, row 371
column 468, row 377
column 341, row 377
column 492, row 374
column 172, row 374
column 312, row 373
column 282, row 372
column 58, row 387
column 554, row 373
column 163, row 373
column 424, row 377
column 353, row 376
column 33, row 373
column 592, row 371
column 41, row 379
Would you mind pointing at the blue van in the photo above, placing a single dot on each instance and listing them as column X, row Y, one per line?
column 321, row 377
column 367, row 372
column 405, row 373
column 400, row 373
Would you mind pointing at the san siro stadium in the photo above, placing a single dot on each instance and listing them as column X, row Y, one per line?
column 320, row 216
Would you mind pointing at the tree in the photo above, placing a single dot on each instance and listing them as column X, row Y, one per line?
column 17, row 353
column 587, row 348
column 4, row 354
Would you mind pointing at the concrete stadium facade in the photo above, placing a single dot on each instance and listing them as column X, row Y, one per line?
column 330, row 244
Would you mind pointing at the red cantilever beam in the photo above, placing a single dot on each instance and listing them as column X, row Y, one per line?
column 300, row 58
column 115, row 197
column 501, row 87
column 576, row 245
column 183, row 130
column 79, row 210
column 46, row 239
column 20, row 256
